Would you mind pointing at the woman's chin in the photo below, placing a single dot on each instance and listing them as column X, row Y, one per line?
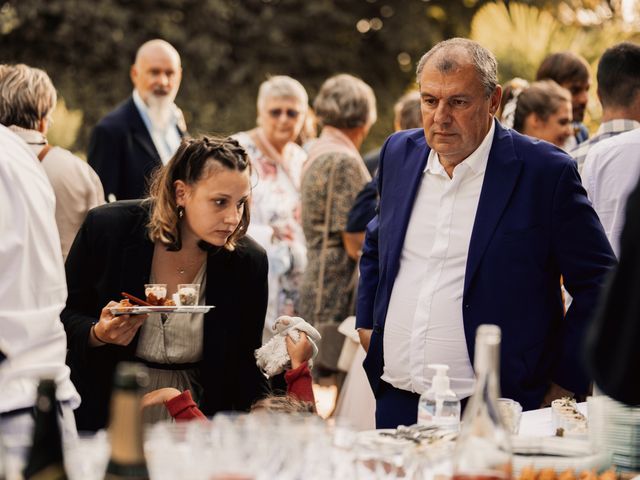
column 217, row 240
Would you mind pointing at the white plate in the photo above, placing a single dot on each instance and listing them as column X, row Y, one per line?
column 141, row 310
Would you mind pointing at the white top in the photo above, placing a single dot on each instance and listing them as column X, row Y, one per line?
column 610, row 172
column 76, row 185
column 424, row 321
column 33, row 290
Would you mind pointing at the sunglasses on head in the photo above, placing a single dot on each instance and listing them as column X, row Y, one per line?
column 289, row 112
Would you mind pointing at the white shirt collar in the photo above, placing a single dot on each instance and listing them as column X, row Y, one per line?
column 476, row 161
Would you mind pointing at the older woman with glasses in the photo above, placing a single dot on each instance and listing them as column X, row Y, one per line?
column 278, row 161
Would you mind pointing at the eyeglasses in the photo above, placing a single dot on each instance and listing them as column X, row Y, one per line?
column 289, row 112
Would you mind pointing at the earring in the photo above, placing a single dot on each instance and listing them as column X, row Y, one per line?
column 180, row 212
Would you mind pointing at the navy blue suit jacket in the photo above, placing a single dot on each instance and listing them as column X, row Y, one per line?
column 122, row 152
column 533, row 225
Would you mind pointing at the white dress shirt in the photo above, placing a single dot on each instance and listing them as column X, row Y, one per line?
column 611, row 171
column 33, row 290
column 424, row 321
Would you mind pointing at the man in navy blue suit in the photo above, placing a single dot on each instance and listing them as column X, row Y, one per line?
column 144, row 132
column 477, row 224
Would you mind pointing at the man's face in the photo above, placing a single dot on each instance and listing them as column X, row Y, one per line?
column 456, row 113
column 157, row 73
column 579, row 97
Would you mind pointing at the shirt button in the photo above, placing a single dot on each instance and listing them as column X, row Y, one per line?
column 466, row 305
column 377, row 329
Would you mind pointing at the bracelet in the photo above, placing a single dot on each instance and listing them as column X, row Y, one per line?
column 92, row 332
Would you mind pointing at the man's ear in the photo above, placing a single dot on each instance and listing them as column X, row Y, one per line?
column 133, row 73
column 181, row 191
column 496, row 96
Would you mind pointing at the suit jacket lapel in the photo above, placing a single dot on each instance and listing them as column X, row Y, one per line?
column 501, row 175
column 404, row 195
column 140, row 132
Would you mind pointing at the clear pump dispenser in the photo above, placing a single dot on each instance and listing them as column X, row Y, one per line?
column 439, row 405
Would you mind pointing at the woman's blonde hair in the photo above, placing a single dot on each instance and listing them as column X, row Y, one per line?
column 195, row 159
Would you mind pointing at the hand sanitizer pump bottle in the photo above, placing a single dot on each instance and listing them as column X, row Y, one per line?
column 439, row 406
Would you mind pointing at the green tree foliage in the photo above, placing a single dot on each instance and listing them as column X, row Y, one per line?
column 521, row 36
column 228, row 47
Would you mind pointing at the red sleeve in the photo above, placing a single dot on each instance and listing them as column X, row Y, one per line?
column 299, row 383
column 182, row 407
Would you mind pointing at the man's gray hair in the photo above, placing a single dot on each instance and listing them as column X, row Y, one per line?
column 345, row 101
column 27, row 95
column 482, row 59
column 282, row 86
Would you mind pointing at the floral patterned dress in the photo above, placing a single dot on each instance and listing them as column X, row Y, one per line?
column 275, row 224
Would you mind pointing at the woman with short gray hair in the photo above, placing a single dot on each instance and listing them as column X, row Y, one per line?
column 335, row 173
column 275, row 215
column 27, row 101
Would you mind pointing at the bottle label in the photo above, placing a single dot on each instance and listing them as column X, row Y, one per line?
column 118, row 470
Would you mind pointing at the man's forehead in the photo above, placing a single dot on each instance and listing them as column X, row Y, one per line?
column 461, row 81
column 157, row 55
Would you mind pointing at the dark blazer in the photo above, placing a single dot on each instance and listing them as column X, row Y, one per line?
column 613, row 344
column 122, row 153
column 112, row 253
column 533, row 224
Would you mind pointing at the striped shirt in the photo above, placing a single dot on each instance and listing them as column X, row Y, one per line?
column 606, row 130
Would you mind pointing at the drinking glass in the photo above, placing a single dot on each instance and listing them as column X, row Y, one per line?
column 156, row 293
column 188, row 294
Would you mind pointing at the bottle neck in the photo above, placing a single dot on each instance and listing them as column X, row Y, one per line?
column 125, row 431
column 487, row 369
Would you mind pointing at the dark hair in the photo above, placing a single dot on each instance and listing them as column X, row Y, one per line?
column 619, row 75
column 540, row 98
column 563, row 67
column 194, row 160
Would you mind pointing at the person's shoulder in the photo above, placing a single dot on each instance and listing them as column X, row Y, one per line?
column 536, row 153
column 414, row 135
column 248, row 247
column 623, row 140
column 117, row 118
column 120, row 215
column 248, row 255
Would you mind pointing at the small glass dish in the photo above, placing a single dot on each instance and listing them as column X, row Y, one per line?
column 510, row 412
column 156, row 293
column 188, row 294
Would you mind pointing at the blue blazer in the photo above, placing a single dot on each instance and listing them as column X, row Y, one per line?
column 533, row 225
column 122, row 152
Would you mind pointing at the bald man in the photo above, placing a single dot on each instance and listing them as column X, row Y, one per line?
column 145, row 131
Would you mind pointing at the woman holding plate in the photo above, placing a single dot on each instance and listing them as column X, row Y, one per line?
column 191, row 229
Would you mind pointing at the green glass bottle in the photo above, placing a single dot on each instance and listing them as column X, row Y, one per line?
column 127, row 460
column 46, row 460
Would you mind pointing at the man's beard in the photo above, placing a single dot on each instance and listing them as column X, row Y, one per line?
column 160, row 110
